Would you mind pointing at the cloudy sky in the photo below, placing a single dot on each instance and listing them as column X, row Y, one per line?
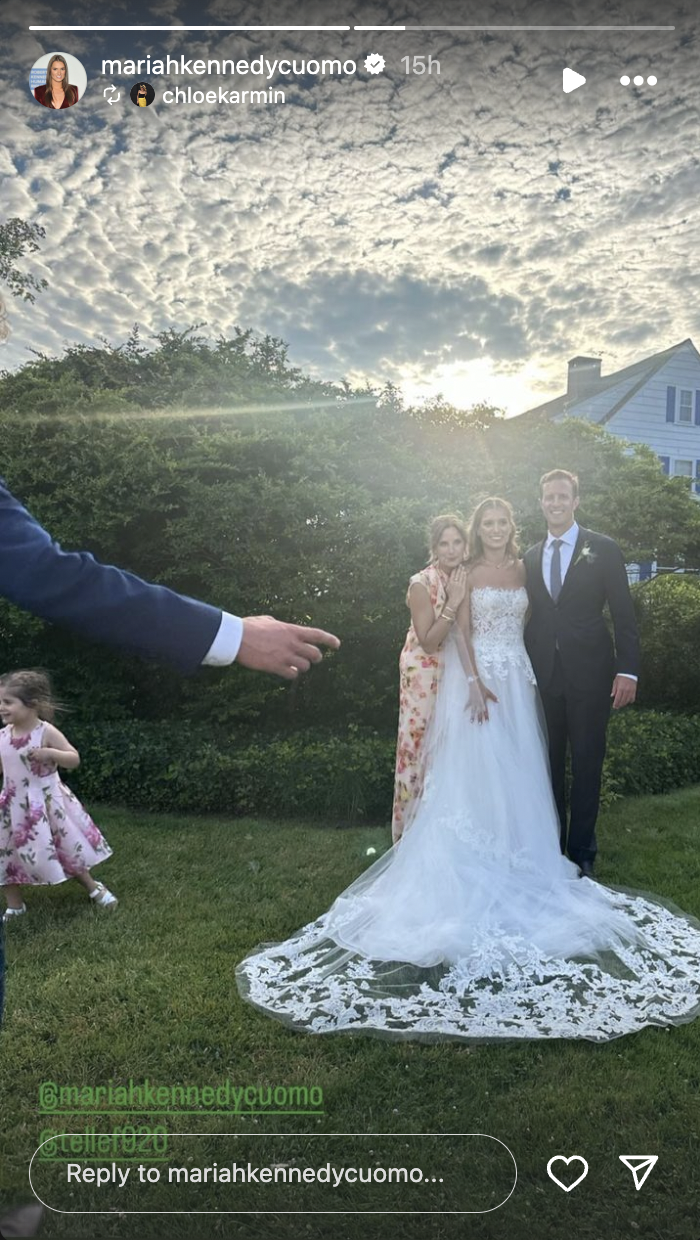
column 463, row 233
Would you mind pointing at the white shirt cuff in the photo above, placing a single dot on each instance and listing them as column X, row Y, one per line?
column 226, row 644
column 628, row 676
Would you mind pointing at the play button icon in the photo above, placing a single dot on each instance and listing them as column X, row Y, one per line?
column 571, row 80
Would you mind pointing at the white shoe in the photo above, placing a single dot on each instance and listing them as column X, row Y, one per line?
column 14, row 912
column 102, row 896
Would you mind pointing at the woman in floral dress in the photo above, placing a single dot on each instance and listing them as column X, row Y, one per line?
column 46, row 836
column 434, row 596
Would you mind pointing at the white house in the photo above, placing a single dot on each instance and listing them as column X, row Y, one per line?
column 655, row 402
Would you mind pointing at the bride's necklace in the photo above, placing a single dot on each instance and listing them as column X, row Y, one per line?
column 492, row 563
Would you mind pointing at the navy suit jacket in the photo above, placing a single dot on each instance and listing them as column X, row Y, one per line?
column 575, row 624
column 104, row 603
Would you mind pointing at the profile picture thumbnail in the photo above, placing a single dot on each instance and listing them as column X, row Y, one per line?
column 57, row 80
column 142, row 94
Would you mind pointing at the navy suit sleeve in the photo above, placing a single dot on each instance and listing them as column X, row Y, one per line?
column 103, row 603
column 622, row 611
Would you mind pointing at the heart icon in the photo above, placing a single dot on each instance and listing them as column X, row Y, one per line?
column 560, row 1158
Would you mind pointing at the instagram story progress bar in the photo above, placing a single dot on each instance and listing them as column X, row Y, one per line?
column 366, row 29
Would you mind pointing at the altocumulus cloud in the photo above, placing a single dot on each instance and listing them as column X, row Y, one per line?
column 376, row 224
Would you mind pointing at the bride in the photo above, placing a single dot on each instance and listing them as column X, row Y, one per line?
column 474, row 926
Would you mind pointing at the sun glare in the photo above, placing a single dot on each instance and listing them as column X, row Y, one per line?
column 464, row 384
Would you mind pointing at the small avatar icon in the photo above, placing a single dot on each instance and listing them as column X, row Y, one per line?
column 57, row 92
column 142, row 94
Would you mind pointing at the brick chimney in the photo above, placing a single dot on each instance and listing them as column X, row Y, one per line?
column 583, row 376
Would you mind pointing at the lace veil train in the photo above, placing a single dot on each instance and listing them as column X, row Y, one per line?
column 474, row 926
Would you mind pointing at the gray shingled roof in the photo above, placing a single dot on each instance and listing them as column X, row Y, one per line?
column 642, row 371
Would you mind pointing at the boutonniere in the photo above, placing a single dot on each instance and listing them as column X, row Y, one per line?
column 586, row 553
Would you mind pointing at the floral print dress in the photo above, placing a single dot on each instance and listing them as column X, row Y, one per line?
column 45, row 834
column 419, row 678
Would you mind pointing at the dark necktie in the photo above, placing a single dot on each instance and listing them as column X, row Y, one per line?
column 555, row 578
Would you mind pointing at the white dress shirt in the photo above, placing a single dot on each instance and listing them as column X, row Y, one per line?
column 566, row 554
column 225, row 646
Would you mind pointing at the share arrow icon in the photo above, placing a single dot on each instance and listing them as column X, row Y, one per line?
column 641, row 1166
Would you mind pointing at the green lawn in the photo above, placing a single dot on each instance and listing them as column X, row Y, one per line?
column 149, row 992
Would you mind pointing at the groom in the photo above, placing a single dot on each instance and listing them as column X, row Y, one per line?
column 571, row 575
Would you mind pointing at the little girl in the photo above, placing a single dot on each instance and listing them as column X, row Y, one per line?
column 45, row 834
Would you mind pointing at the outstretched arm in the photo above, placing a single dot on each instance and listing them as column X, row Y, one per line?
column 110, row 605
column 102, row 602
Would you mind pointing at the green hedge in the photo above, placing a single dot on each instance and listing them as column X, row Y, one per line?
column 166, row 767
column 668, row 612
column 650, row 751
column 341, row 779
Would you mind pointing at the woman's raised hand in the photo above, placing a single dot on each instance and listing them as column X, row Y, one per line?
column 457, row 587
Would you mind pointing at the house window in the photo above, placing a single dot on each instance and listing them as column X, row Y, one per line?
column 685, row 407
column 684, row 469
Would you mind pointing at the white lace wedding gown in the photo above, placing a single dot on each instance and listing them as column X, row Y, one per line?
column 474, row 926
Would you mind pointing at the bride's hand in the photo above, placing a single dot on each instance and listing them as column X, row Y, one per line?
column 478, row 704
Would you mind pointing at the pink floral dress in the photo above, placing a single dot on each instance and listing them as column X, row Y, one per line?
column 45, row 834
column 419, row 677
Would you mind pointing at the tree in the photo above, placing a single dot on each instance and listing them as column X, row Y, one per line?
column 16, row 237
column 624, row 492
column 182, row 369
column 438, row 412
column 263, row 491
